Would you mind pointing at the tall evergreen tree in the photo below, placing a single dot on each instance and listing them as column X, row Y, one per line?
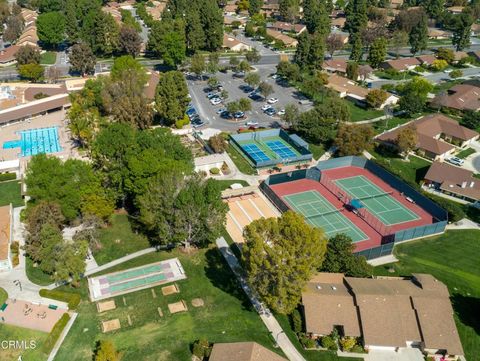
column 377, row 52
column 357, row 48
column 419, row 36
column 462, row 29
column 71, row 21
column 303, row 50
column 316, row 17
column 212, row 22
column 194, row 30
column 254, row 6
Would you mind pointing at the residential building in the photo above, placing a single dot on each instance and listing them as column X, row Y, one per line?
column 6, row 235
column 388, row 313
column 242, row 351
column 28, row 37
column 426, row 60
column 286, row 40
column 438, row 136
column 339, row 22
column 460, row 97
column 395, row 4
column 439, row 34
column 231, row 8
column 459, row 55
column 233, row 44
column 335, row 66
column 7, row 55
column 402, row 64
column 455, row 9
column 297, row 29
column 156, row 10
column 454, row 181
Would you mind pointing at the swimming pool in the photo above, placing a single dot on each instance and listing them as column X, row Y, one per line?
column 35, row 141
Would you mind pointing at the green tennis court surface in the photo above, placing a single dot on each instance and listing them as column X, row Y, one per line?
column 134, row 273
column 322, row 214
column 265, row 149
column 382, row 205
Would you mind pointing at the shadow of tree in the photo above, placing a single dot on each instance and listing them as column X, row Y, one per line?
column 467, row 309
column 222, row 277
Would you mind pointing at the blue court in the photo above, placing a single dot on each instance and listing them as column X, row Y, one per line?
column 36, row 141
column 280, row 149
column 255, row 152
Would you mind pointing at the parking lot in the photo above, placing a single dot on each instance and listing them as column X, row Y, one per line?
column 209, row 113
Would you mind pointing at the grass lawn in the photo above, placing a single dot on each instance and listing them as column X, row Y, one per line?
column 394, row 76
column 388, row 124
column 241, row 163
column 412, row 170
column 317, row 150
column 453, row 259
column 8, row 332
column 10, row 193
column 36, row 275
column 48, row 58
column 118, row 240
column 465, row 153
column 310, row 355
column 3, row 296
column 226, row 317
column 444, row 86
column 357, row 113
column 225, row 183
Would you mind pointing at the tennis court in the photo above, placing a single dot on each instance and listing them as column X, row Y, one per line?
column 322, row 214
column 380, row 203
column 255, row 152
column 262, row 150
column 282, row 150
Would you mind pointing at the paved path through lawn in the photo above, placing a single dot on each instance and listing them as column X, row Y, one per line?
column 272, row 324
column 120, row 260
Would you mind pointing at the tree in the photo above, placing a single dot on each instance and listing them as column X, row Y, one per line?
column 218, row 143
column 290, row 71
column 407, row 140
column 434, row 8
column 471, row 119
column 376, row 97
column 82, row 59
column 244, row 104
column 462, row 29
column 357, row 19
column 445, row 54
column 340, row 258
column 316, row 17
column 357, row 48
column 129, row 41
column 212, row 24
column 254, row 6
column 197, row 64
column 14, row 28
column 233, row 107
column 244, row 66
column 51, row 28
column 280, row 256
column 167, row 41
column 418, row 36
column 291, row 114
column 33, row 72
column 72, row 27
column 303, row 50
column 411, row 104
column 265, row 89
column 213, row 60
column 82, row 123
column 352, row 70
column 377, row 52
column 106, row 36
column 289, row 10
column 398, row 40
column 353, row 139
column 70, row 262
column 334, row 43
column 252, row 79
column 439, row 65
column 171, row 98
column 105, row 351
column 253, row 56
column 126, row 68
column 212, row 82
column 27, row 55
column 234, row 62
column 53, row 74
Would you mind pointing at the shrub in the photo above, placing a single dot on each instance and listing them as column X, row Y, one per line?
column 329, row 343
column 347, row 343
column 7, row 176
column 296, row 319
column 73, row 299
column 357, row 349
column 457, row 73
column 214, row 171
column 218, row 143
column 439, row 65
column 201, row 348
column 55, row 333
column 305, row 341
column 179, row 124
column 455, row 210
column 376, row 97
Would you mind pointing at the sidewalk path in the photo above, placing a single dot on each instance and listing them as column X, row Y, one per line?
column 68, row 326
column 272, row 324
column 120, row 260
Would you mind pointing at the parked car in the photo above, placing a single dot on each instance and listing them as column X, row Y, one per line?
column 246, row 88
column 212, row 95
column 198, row 125
column 215, row 101
column 239, row 74
column 281, row 112
column 271, row 112
column 275, row 76
column 221, row 110
column 191, row 110
column 226, row 115
column 455, row 161
column 272, row 100
column 251, row 123
column 239, row 115
column 254, row 96
column 266, row 106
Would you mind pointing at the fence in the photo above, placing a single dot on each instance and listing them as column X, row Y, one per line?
column 273, row 197
column 376, row 252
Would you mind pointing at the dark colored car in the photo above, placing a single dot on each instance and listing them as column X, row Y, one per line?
column 226, row 115
column 255, row 97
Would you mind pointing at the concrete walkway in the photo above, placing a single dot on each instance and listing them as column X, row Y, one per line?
column 268, row 319
column 68, row 326
column 463, row 224
column 119, row 261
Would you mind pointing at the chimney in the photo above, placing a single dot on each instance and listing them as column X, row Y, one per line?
column 472, row 183
column 464, row 184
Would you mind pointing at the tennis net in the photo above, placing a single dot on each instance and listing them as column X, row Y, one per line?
column 378, row 195
column 316, row 215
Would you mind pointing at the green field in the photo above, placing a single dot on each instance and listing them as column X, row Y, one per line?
column 36, row 275
column 10, row 192
column 388, row 124
column 317, row 150
column 240, row 161
column 3, row 296
column 8, row 332
column 118, row 240
column 465, row 153
column 225, row 183
column 357, row 113
column 48, row 58
column 226, row 317
column 453, row 258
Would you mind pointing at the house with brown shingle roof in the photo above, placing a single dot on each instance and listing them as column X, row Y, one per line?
column 286, row 40
column 438, row 136
column 288, row 27
column 460, row 97
column 233, row 44
column 388, row 313
column 402, row 64
column 335, row 66
column 6, row 234
column 7, row 55
column 242, row 351
column 454, row 181
column 427, row 59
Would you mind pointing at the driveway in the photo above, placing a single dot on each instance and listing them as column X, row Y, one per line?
column 472, row 162
column 404, row 354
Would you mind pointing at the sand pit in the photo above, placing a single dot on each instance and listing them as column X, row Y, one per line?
column 170, row 290
column 176, row 307
column 198, row 302
column 106, row 306
column 112, row 325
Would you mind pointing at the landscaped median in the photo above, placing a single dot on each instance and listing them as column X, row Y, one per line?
column 72, row 299
column 55, row 333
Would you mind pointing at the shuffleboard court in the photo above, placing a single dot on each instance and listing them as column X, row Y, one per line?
column 322, row 214
column 134, row 279
column 380, row 203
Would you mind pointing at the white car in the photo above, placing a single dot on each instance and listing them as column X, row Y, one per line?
column 215, row 101
column 455, row 161
column 281, row 112
column 266, row 106
column 251, row 123
column 272, row 100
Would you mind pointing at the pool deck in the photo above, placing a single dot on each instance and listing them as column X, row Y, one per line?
column 55, row 119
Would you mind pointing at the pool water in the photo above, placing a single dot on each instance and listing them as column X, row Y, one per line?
column 35, row 141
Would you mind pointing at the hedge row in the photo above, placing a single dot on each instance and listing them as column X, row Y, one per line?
column 7, row 176
column 55, row 333
column 73, row 299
